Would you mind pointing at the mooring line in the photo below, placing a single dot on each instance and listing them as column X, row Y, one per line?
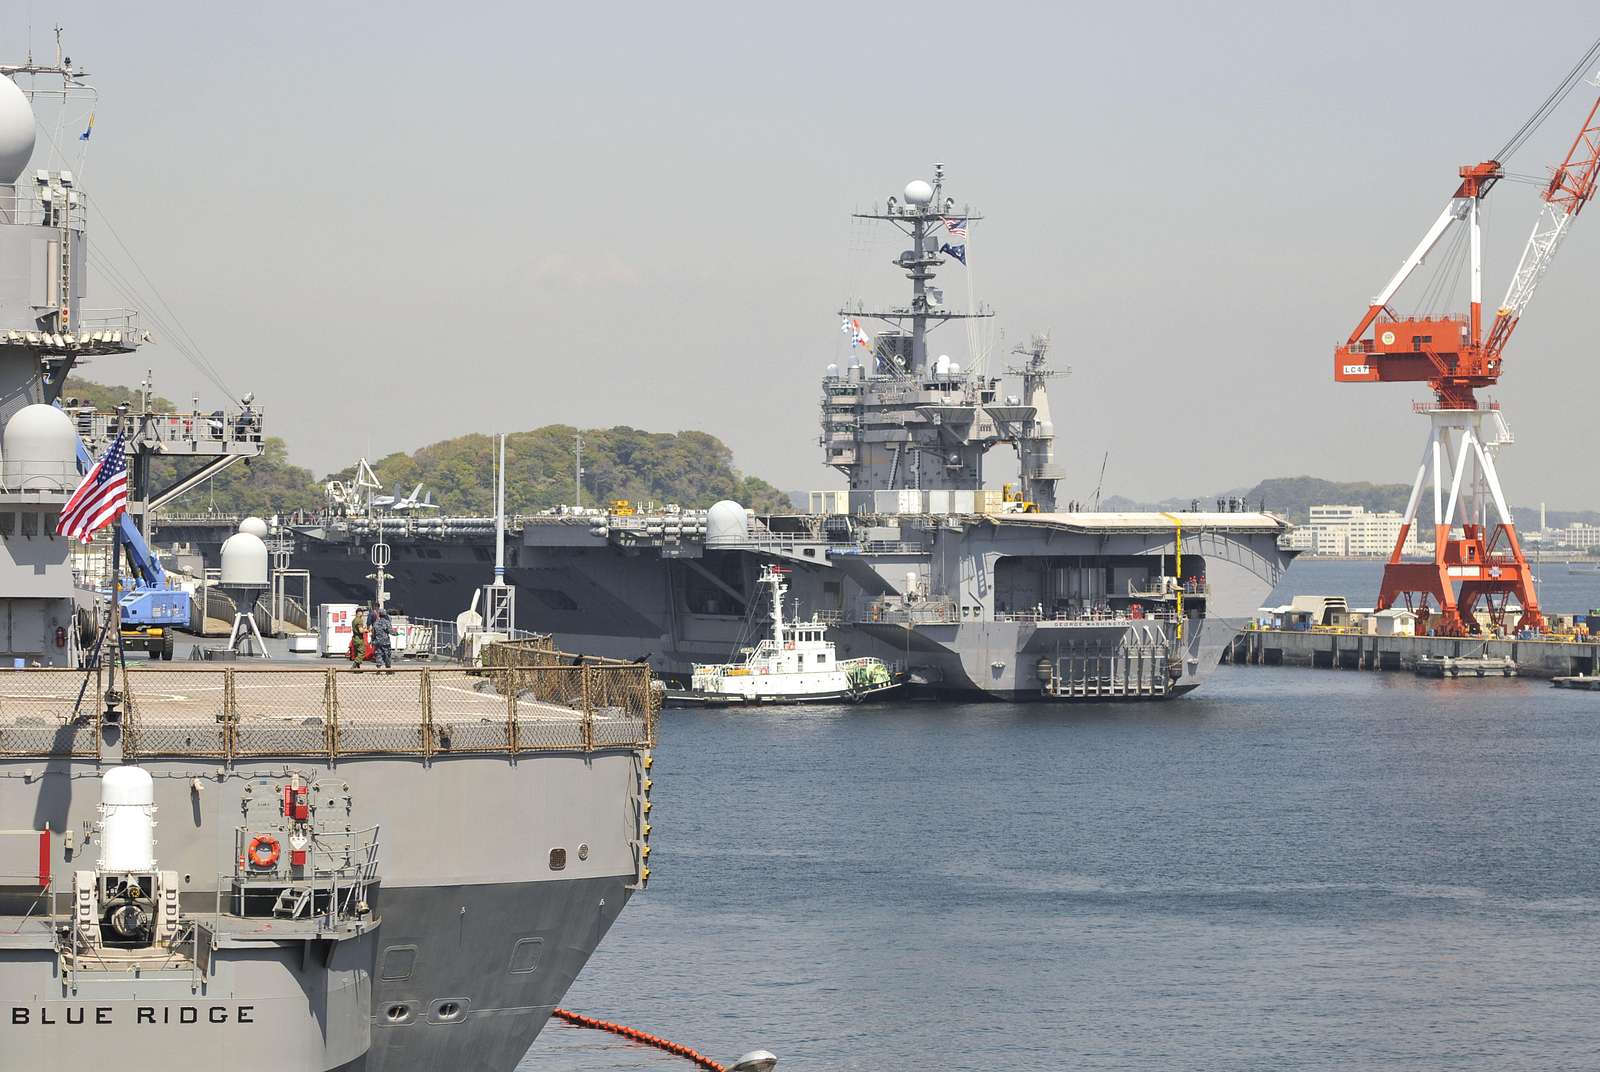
column 579, row 1020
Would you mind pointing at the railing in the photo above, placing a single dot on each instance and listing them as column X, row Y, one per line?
column 529, row 698
column 341, row 867
column 37, row 892
column 22, row 205
column 934, row 612
column 1166, row 587
column 1085, row 619
column 125, row 321
column 433, row 638
column 894, row 547
column 43, row 476
column 224, row 427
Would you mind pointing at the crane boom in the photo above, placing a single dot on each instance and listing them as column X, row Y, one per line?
column 1571, row 187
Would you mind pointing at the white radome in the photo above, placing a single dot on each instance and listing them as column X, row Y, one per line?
column 40, row 447
column 255, row 527
column 918, row 192
column 726, row 522
column 17, row 131
column 244, row 561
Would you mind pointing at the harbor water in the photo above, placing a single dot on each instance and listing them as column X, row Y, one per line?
column 1288, row 869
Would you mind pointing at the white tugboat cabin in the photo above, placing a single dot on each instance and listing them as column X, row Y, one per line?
column 796, row 664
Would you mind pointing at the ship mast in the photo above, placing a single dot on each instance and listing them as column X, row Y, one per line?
column 909, row 431
column 924, row 210
column 774, row 578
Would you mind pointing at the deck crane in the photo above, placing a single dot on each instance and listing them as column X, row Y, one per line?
column 1453, row 356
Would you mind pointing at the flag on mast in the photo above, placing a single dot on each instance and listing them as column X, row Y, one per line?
column 101, row 497
column 88, row 129
column 957, row 228
column 958, row 252
column 858, row 335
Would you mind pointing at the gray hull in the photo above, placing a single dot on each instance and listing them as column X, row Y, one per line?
column 677, row 606
column 477, row 937
column 464, row 938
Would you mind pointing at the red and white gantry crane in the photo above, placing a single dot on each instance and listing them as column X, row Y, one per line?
column 1471, row 564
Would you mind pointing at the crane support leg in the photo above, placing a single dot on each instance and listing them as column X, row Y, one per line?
column 1470, row 566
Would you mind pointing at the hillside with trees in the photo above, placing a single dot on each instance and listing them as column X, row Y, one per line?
column 691, row 468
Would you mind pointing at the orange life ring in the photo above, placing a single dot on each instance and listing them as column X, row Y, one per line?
column 264, row 851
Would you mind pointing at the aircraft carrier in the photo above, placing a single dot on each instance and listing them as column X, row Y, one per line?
column 264, row 865
column 969, row 590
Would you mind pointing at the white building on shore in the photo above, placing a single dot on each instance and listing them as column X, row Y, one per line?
column 1577, row 535
column 1352, row 531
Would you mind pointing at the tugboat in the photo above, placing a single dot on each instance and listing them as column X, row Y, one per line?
column 796, row 664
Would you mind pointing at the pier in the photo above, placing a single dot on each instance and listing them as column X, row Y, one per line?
column 1330, row 649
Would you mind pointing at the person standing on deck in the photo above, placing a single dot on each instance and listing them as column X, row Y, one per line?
column 382, row 639
column 358, row 638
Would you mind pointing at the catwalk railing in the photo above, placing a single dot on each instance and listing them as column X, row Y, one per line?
column 528, row 699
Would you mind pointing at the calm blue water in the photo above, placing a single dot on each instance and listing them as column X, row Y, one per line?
column 1289, row 869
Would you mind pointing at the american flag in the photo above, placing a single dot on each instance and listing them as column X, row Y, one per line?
column 957, row 228
column 101, row 497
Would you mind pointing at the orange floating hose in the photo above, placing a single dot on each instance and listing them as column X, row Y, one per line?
column 579, row 1020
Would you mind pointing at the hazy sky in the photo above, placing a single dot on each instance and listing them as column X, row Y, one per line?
column 400, row 222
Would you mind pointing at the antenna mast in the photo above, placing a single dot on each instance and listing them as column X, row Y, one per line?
column 500, row 598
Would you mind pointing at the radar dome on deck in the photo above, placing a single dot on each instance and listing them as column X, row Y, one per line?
column 255, row 527
column 40, row 447
column 726, row 523
column 244, row 561
column 918, row 192
column 17, row 131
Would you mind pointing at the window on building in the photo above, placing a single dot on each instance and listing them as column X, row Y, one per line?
column 8, row 522
column 30, row 524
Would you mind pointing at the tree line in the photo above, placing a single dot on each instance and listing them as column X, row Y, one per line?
column 691, row 468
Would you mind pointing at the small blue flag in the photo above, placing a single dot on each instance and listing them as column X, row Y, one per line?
column 958, row 252
column 88, row 129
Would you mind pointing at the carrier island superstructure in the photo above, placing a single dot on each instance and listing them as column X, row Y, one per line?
column 258, row 865
column 916, row 562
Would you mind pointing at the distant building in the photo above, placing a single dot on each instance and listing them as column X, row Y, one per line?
column 1352, row 531
column 1578, row 535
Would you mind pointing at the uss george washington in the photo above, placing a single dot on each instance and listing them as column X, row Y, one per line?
column 967, row 591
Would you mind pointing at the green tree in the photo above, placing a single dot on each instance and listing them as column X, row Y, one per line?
column 692, row 469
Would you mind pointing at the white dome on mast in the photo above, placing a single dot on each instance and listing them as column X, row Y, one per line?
column 17, row 131
column 919, row 192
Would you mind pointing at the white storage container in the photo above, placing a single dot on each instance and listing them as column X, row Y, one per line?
column 333, row 628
